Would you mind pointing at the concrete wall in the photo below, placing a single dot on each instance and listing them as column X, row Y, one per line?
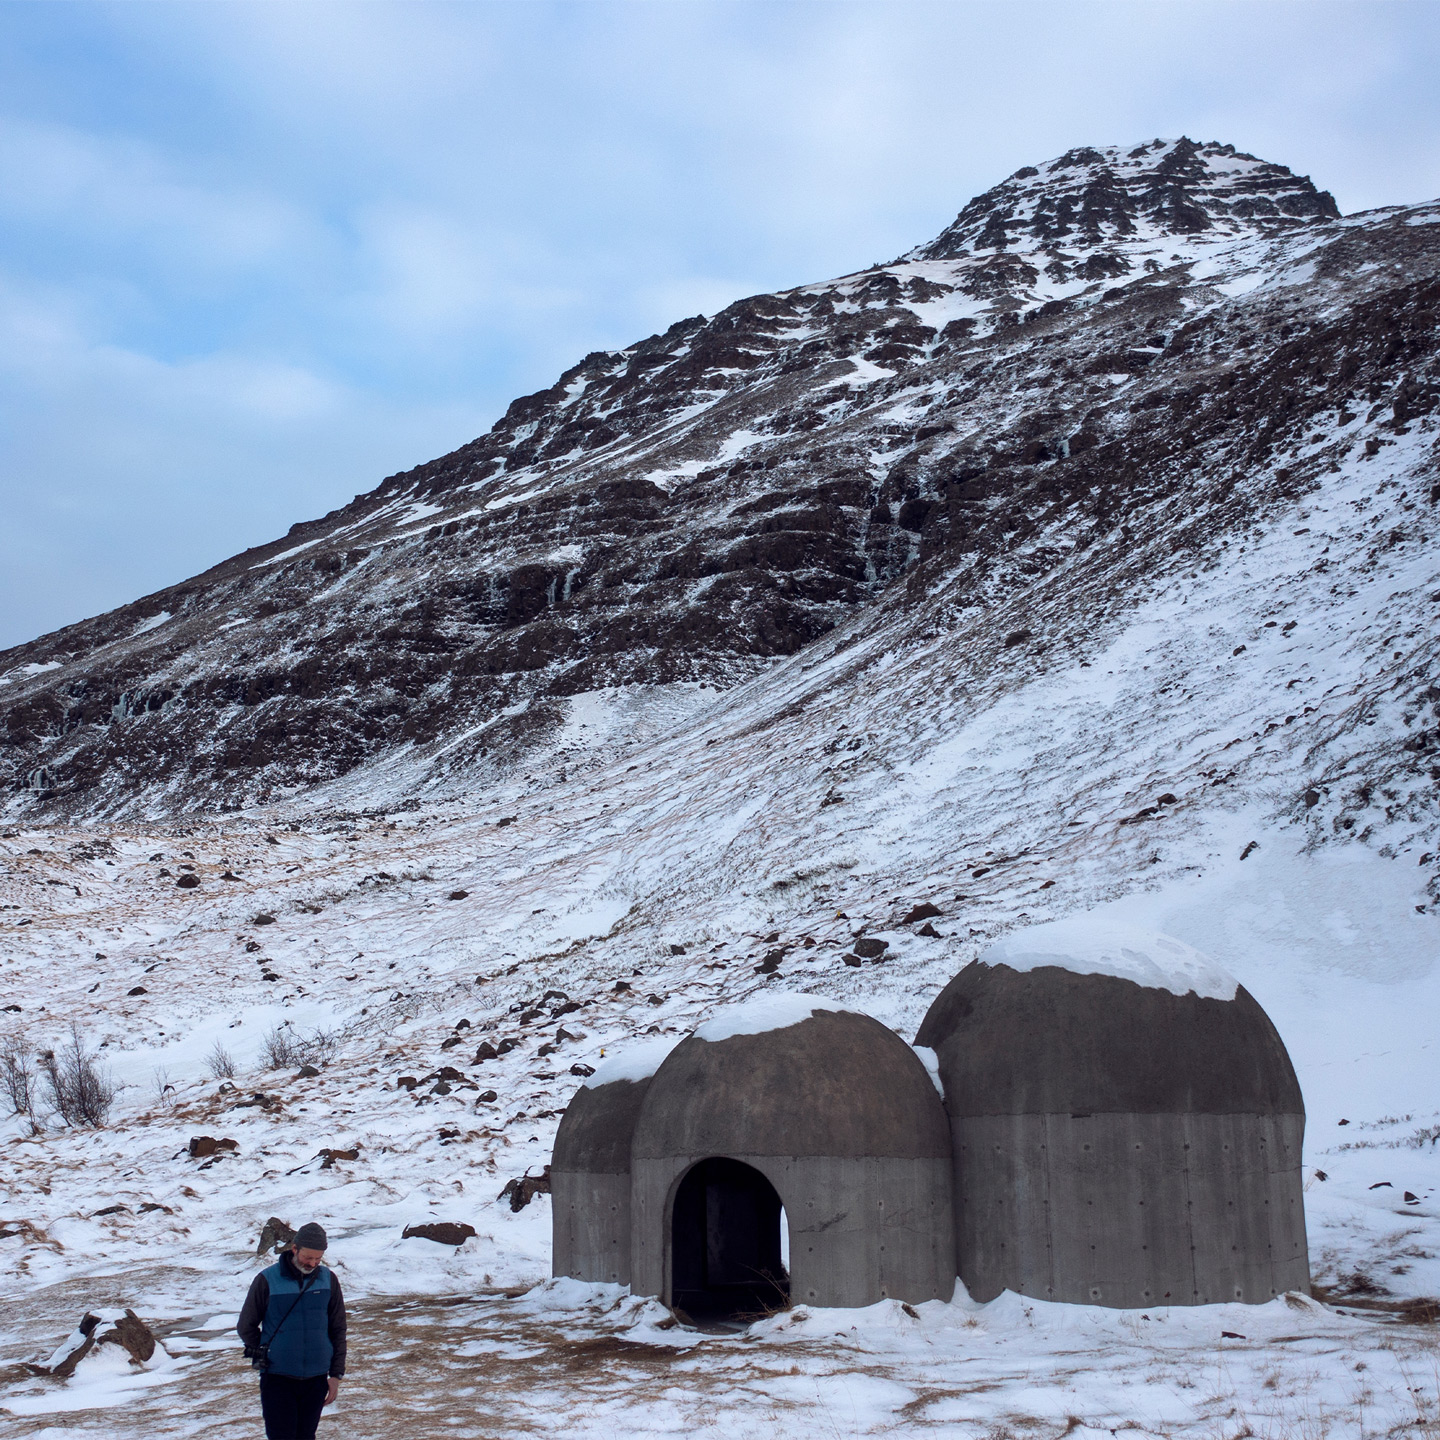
column 591, row 1226
column 1131, row 1210
column 590, row 1182
column 862, row 1229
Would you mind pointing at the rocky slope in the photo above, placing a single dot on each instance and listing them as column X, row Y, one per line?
column 1109, row 368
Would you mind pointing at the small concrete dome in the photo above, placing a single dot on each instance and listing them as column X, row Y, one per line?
column 1127, row 1125
column 836, row 1083
column 792, row 1102
column 590, row 1168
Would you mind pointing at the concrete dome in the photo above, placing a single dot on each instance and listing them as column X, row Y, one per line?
column 590, row 1168
column 1049, row 1040
column 1126, row 1123
column 789, row 1117
column 837, row 1083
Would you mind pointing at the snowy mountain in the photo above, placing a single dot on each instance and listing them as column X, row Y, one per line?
column 1081, row 560
column 1123, row 356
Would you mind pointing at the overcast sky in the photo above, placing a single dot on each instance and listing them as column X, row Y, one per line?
column 255, row 257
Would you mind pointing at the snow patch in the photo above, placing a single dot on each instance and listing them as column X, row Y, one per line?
column 1097, row 945
column 637, row 1063
column 768, row 1012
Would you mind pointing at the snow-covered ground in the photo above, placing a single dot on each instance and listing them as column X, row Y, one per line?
column 1214, row 759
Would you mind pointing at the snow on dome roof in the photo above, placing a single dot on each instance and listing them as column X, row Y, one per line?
column 777, row 1011
column 1093, row 945
column 637, row 1063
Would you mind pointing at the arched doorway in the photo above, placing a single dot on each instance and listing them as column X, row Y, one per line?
column 725, row 1244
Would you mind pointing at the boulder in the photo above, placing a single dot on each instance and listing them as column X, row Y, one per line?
column 122, row 1328
column 522, row 1191
column 442, row 1232
column 923, row 911
column 203, row 1146
column 275, row 1235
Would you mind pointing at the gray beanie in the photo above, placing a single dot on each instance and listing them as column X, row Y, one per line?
column 310, row 1237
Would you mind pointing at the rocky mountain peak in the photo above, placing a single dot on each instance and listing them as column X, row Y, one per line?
column 1089, row 197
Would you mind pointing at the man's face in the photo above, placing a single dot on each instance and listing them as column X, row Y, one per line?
column 308, row 1261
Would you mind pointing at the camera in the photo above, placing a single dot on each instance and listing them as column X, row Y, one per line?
column 259, row 1357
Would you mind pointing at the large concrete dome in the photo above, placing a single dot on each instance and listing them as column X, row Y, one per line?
column 790, row 1103
column 1127, row 1125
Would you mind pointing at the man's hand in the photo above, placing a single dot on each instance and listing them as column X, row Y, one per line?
column 332, row 1390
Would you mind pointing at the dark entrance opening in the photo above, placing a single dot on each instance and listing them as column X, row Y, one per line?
column 725, row 1244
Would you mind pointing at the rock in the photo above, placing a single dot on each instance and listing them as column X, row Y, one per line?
column 1411, row 1198
column 487, row 1096
column 621, row 986
column 329, row 1157
column 928, row 931
column 137, row 990
column 263, row 920
column 522, row 1191
column 406, row 1082
column 275, row 1235
column 1312, row 798
column 307, row 1072
column 458, row 895
column 251, row 946
column 923, row 911
column 869, row 948
column 187, row 882
column 111, row 1210
column 1018, row 637
column 506, row 1046
column 452, row 1042
column 440, row 1088
column 654, row 999
column 486, row 1052
column 568, row 1008
column 771, row 963
column 677, row 949
column 852, row 960
column 549, row 1048
column 582, row 1070
column 449, row 1072
column 124, row 1329
column 442, row 1232
column 203, row 1146
column 1167, row 799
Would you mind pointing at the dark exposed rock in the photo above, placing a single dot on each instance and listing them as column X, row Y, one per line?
column 275, row 1235
column 130, row 1333
column 923, row 911
column 520, row 1192
column 188, row 882
column 868, row 947
column 203, row 1146
column 442, row 1232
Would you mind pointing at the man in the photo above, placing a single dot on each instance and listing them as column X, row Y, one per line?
column 293, row 1327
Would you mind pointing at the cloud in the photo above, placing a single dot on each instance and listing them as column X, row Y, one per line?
column 255, row 256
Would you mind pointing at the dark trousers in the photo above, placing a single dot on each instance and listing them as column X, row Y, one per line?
column 292, row 1406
